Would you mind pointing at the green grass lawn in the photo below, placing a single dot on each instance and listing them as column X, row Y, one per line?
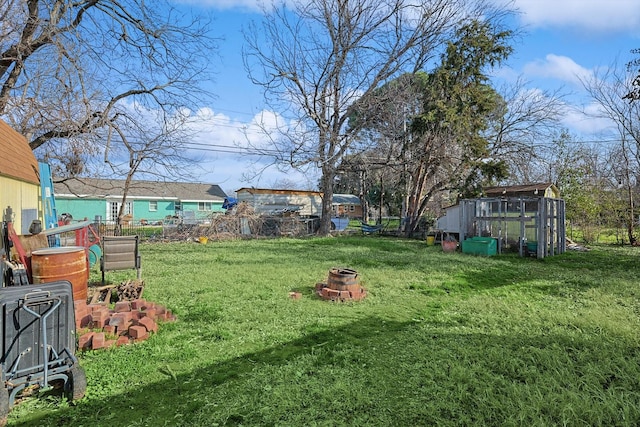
column 441, row 339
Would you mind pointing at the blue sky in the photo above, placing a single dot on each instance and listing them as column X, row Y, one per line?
column 563, row 41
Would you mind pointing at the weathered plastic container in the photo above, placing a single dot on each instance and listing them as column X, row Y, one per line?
column 38, row 342
column 486, row 246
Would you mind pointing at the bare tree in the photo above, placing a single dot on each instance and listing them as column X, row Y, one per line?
column 72, row 72
column 317, row 58
column 138, row 145
column 609, row 90
column 524, row 129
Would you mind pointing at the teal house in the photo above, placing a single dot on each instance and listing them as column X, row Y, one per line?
column 148, row 202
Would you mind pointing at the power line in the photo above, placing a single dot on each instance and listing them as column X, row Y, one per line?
column 231, row 148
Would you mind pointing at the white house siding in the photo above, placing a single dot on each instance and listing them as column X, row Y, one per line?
column 263, row 201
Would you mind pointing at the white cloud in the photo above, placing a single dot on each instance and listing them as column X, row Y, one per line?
column 593, row 15
column 225, row 146
column 558, row 67
column 582, row 123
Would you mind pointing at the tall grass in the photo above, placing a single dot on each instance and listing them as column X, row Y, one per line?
column 441, row 339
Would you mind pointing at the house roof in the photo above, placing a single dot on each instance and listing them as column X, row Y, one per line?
column 103, row 188
column 252, row 190
column 345, row 199
column 17, row 159
column 520, row 190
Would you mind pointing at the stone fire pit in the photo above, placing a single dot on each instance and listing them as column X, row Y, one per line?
column 343, row 284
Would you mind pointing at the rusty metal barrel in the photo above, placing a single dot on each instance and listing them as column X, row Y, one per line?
column 343, row 279
column 63, row 263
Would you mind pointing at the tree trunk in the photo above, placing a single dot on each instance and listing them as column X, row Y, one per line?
column 326, row 184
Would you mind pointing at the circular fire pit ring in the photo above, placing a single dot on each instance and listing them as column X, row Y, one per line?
column 343, row 284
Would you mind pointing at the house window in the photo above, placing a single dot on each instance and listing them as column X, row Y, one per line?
column 204, row 206
column 153, row 205
column 352, row 208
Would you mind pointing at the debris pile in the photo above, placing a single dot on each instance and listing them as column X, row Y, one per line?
column 126, row 291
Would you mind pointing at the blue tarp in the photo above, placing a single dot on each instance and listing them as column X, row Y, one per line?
column 229, row 202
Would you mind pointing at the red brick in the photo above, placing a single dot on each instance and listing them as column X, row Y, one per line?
column 320, row 286
column 99, row 319
column 148, row 324
column 358, row 295
column 124, row 329
column 98, row 340
column 295, row 295
column 122, row 340
column 96, row 307
column 84, row 321
column 84, row 342
column 138, row 304
column 333, row 293
column 167, row 316
column 345, row 295
column 137, row 332
column 109, row 329
column 160, row 309
column 122, row 306
column 116, row 321
column 81, row 310
column 325, row 292
column 109, row 343
column 126, row 316
column 151, row 312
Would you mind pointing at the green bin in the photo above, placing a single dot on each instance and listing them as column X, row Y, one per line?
column 486, row 246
